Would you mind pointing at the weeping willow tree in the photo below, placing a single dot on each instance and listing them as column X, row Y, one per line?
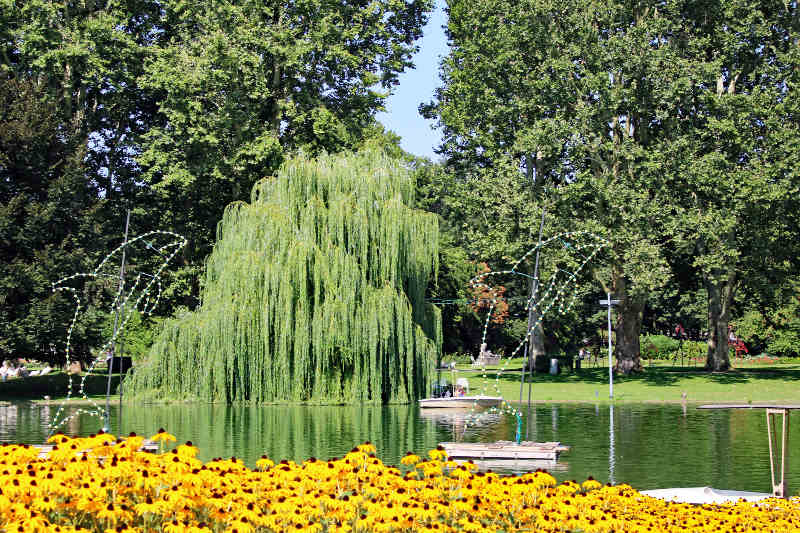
column 314, row 292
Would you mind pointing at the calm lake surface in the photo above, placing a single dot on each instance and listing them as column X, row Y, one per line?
column 648, row 446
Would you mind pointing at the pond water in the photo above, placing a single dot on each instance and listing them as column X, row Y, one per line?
column 646, row 445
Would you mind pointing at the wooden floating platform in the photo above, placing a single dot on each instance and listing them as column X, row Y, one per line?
column 504, row 449
column 461, row 402
column 149, row 446
column 516, row 466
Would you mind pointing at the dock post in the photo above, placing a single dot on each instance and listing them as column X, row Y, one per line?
column 780, row 489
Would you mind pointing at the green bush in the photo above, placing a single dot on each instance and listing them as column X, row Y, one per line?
column 138, row 335
column 658, row 347
column 695, row 349
column 777, row 333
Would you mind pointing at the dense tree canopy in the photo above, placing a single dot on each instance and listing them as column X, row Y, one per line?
column 48, row 210
column 315, row 292
column 669, row 127
column 175, row 109
column 646, row 118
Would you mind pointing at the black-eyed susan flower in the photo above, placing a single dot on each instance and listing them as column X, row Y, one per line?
column 163, row 436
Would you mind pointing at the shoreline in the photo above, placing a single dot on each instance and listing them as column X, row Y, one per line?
column 524, row 403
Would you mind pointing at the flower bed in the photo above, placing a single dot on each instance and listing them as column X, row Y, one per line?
column 100, row 484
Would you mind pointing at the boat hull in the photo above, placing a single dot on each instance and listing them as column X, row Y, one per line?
column 461, row 402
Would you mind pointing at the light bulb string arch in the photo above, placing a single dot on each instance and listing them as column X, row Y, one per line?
column 563, row 294
column 123, row 302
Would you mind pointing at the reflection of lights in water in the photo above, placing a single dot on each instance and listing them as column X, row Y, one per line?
column 8, row 414
column 531, row 423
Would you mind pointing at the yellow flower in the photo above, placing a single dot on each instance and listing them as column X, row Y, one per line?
column 591, row 484
column 187, row 450
column 57, row 438
column 410, row 459
column 438, row 454
column 109, row 513
column 367, row 447
column 131, row 491
column 239, row 526
column 174, row 527
column 44, row 504
column 264, row 463
column 163, row 436
column 148, row 506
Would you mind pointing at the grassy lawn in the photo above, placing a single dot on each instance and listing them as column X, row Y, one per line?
column 752, row 382
column 663, row 382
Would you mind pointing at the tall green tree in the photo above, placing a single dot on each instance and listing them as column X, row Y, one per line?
column 180, row 107
column 737, row 163
column 241, row 83
column 568, row 90
column 315, row 292
column 87, row 56
column 605, row 100
column 49, row 215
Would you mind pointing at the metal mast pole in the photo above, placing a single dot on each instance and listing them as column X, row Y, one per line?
column 116, row 323
column 534, row 292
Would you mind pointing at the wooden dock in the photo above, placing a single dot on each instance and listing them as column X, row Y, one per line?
column 505, row 449
column 513, row 466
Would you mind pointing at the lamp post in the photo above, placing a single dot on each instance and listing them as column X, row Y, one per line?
column 608, row 303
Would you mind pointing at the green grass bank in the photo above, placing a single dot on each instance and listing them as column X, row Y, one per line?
column 663, row 383
column 55, row 385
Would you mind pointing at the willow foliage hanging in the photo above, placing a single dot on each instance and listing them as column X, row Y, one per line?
column 314, row 293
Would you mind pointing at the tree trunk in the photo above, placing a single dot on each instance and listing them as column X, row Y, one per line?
column 720, row 298
column 628, row 328
column 537, row 352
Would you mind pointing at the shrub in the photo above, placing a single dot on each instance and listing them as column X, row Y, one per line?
column 658, row 346
column 695, row 349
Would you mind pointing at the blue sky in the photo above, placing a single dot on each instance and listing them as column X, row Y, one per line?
column 417, row 86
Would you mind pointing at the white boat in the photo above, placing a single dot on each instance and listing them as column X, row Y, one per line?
column 461, row 402
column 705, row 495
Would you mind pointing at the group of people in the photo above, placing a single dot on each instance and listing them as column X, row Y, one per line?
column 17, row 369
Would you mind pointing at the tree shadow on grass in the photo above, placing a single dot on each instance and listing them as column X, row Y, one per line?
column 744, row 375
column 661, row 376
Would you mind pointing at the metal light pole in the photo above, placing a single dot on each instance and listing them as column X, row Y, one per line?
column 107, row 425
column 608, row 303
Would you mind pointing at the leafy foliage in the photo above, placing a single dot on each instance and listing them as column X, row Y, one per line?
column 670, row 128
column 315, row 292
column 172, row 109
column 48, row 218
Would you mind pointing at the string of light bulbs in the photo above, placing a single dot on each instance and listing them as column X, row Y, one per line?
column 124, row 303
column 563, row 294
